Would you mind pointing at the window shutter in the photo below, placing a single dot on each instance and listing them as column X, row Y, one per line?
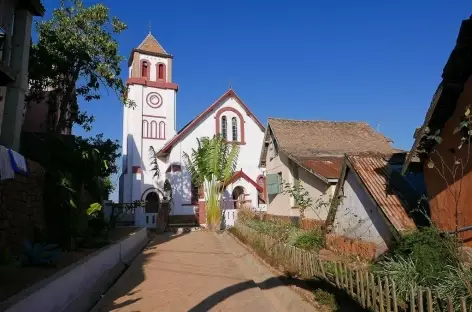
column 273, row 184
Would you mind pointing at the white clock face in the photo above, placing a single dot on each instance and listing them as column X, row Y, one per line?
column 154, row 99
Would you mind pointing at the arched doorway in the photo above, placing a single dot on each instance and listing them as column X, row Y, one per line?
column 151, row 207
column 238, row 197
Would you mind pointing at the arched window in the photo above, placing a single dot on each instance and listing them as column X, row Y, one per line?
column 235, row 128
column 153, row 132
column 224, row 127
column 161, row 71
column 162, row 130
column 145, row 129
column 145, row 69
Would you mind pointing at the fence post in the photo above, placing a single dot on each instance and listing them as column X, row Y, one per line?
column 420, row 299
column 336, row 274
column 351, row 283
column 394, row 297
column 412, row 299
column 380, row 292
column 367, row 289
column 463, row 305
column 362, row 289
column 374, row 291
column 429, row 299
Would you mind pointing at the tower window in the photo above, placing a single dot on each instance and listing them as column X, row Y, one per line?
column 235, row 128
column 145, row 69
column 162, row 130
column 161, row 71
column 153, row 132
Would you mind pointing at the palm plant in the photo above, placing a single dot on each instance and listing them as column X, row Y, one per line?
column 211, row 165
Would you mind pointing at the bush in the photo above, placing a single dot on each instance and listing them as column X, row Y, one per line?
column 245, row 215
column 310, row 240
column 325, row 298
column 430, row 251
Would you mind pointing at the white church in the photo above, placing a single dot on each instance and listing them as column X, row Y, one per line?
column 152, row 123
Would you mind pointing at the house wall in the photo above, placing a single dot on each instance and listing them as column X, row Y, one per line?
column 358, row 217
column 247, row 160
column 444, row 189
column 282, row 204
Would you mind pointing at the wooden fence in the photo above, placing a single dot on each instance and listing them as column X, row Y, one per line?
column 372, row 292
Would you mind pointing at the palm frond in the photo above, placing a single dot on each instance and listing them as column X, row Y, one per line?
column 154, row 167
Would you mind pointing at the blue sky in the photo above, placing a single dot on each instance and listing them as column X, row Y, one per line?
column 331, row 60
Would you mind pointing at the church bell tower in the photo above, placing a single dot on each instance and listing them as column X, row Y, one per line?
column 152, row 121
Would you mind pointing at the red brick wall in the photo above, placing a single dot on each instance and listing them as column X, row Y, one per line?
column 21, row 207
column 351, row 247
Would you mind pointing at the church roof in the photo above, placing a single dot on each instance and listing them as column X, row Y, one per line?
column 150, row 44
column 230, row 93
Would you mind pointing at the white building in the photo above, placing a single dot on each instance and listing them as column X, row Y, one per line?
column 152, row 123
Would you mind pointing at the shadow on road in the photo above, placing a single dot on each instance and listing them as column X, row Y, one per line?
column 343, row 303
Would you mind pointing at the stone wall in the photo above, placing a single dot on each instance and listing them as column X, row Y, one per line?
column 21, row 207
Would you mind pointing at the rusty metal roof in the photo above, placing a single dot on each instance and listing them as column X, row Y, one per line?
column 375, row 175
column 328, row 167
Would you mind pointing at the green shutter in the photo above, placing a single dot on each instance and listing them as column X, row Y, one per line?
column 273, row 184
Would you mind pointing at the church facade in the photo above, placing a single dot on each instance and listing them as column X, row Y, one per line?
column 152, row 123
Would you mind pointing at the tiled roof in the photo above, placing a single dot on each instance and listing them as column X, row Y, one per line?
column 150, row 44
column 319, row 146
column 375, row 175
column 309, row 138
column 328, row 167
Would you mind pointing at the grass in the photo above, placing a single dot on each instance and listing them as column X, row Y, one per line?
column 288, row 233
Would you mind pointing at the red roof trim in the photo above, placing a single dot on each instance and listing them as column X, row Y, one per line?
column 229, row 93
column 241, row 174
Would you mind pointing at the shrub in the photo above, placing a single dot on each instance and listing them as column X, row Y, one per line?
column 402, row 271
column 430, row 251
column 245, row 215
column 311, row 240
column 325, row 298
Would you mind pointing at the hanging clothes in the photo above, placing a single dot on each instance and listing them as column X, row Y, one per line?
column 18, row 162
column 6, row 169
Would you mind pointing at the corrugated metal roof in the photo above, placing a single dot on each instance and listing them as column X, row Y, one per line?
column 374, row 174
column 328, row 167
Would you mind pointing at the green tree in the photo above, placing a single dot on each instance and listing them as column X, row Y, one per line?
column 76, row 54
column 211, row 165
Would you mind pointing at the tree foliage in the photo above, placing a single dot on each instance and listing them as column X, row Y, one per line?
column 213, row 157
column 211, row 165
column 76, row 54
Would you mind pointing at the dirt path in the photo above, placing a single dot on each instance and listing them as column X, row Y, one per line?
column 199, row 271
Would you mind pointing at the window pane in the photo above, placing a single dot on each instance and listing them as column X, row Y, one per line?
column 235, row 129
column 224, row 127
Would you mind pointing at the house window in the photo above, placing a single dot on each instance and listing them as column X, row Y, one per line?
column 224, row 127
column 145, row 69
column 161, row 71
column 274, row 182
column 234, row 128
